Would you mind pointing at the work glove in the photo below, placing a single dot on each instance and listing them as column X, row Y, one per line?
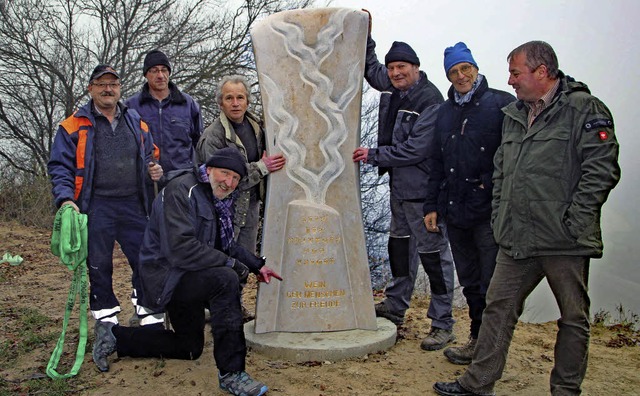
column 240, row 269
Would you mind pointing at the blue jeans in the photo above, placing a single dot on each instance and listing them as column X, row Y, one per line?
column 474, row 252
column 407, row 220
column 513, row 280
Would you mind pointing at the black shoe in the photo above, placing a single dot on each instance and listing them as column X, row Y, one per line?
column 383, row 311
column 455, row 389
column 103, row 345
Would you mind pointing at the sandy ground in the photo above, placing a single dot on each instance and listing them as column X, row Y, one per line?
column 40, row 282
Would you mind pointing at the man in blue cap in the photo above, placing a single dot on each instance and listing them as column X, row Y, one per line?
column 468, row 133
column 408, row 104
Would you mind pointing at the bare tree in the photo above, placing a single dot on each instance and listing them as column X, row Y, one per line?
column 374, row 194
column 49, row 47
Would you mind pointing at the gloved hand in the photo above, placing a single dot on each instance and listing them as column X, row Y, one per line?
column 240, row 269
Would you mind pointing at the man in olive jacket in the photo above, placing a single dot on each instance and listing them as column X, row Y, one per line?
column 554, row 170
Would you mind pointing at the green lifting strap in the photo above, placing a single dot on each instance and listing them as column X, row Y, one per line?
column 69, row 242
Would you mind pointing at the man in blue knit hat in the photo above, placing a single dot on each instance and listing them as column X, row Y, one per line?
column 408, row 105
column 468, row 133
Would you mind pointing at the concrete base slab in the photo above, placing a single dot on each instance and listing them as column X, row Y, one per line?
column 322, row 346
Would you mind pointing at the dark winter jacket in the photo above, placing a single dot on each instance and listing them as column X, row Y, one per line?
column 417, row 99
column 461, row 160
column 182, row 236
column 175, row 123
column 407, row 157
column 72, row 162
column 551, row 180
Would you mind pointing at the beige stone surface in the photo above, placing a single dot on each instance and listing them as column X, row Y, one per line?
column 310, row 66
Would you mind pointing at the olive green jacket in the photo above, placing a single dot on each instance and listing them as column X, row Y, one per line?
column 221, row 134
column 551, row 180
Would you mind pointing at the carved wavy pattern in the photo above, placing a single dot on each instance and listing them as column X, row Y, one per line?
column 315, row 184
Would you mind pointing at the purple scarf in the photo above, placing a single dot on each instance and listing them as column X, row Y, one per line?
column 224, row 208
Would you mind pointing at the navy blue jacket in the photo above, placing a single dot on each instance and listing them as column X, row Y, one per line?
column 461, row 159
column 72, row 160
column 176, row 125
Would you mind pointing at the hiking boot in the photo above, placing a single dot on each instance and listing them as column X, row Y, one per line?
column 437, row 339
column 241, row 384
column 455, row 389
column 383, row 311
column 103, row 345
column 247, row 316
column 463, row 354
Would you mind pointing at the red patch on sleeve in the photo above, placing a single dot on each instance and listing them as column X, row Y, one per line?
column 603, row 135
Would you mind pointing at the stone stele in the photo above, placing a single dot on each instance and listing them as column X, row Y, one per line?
column 310, row 67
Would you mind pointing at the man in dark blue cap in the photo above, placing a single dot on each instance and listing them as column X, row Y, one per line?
column 101, row 161
column 189, row 261
column 408, row 104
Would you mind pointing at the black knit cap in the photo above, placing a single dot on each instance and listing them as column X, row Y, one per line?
column 228, row 158
column 401, row 52
column 155, row 58
column 101, row 70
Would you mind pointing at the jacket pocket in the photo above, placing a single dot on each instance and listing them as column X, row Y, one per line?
column 180, row 128
column 206, row 225
column 548, row 152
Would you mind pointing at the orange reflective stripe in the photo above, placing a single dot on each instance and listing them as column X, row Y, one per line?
column 79, row 125
column 79, row 180
column 81, row 148
column 80, row 157
column 73, row 124
column 156, row 152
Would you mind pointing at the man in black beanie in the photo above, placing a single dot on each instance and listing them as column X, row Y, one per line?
column 175, row 123
column 408, row 104
column 173, row 117
column 189, row 261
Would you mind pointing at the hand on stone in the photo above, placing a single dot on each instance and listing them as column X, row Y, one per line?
column 273, row 162
column 431, row 222
column 360, row 154
column 155, row 171
column 266, row 273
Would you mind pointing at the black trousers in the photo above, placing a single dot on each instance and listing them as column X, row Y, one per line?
column 216, row 288
column 474, row 253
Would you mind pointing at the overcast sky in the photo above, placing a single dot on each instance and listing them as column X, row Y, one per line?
column 596, row 43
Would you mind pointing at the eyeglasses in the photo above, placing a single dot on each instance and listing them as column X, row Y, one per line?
column 464, row 69
column 156, row 70
column 112, row 85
